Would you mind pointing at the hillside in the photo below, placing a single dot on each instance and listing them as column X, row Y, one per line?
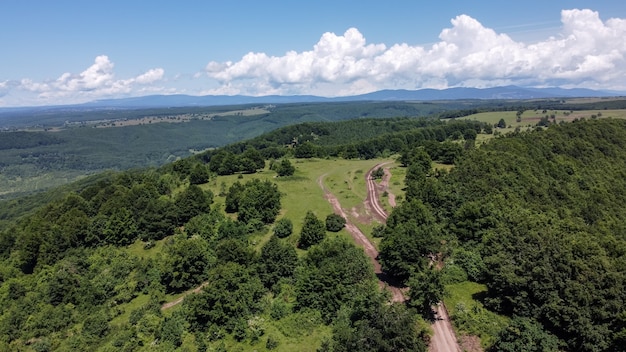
column 535, row 217
column 81, row 143
column 44, row 147
column 538, row 219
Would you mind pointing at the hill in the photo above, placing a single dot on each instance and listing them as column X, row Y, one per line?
column 534, row 216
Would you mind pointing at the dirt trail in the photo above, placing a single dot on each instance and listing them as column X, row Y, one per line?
column 182, row 298
column 443, row 339
column 361, row 239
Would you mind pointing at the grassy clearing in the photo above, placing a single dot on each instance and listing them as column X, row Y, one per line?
column 301, row 192
column 463, row 301
column 530, row 117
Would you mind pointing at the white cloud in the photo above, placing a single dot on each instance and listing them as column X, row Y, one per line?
column 584, row 52
column 587, row 52
column 153, row 75
column 96, row 82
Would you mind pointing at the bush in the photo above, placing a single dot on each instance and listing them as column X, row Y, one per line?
column 283, row 228
column 334, row 222
column 271, row 343
column 378, row 231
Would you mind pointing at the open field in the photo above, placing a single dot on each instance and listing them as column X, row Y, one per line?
column 531, row 117
column 301, row 193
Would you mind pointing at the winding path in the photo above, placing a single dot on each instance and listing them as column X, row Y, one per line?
column 443, row 339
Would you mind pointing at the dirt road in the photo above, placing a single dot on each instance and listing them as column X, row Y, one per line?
column 363, row 241
column 443, row 339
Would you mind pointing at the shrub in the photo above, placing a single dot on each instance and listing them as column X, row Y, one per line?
column 335, row 222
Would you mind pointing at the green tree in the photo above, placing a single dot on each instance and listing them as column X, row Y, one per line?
column 283, row 228
column 233, row 196
column 185, row 264
column 199, row 175
column 335, row 222
column 255, row 157
column 333, row 274
column 313, row 231
column 191, row 202
column 305, row 150
column 524, row 334
column 285, row 168
column 172, row 329
column 233, row 295
column 411, row 236
column 277, row 261
column 374, row 325
column 259, row 200
column 426, row 290
column 96, row 325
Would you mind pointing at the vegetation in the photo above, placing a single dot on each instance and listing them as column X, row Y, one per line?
column 537, row 218
column 530, row 224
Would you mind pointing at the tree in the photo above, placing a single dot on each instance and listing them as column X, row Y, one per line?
column 524, row 334
column 259, row 200
column 313, row 231
column 501, row 123
column 199, row 175
column 333, row 274
column 231, row 203
column 374, row 325
column 378, row 173
column 335, row 222
column 191, row 202
column 426, row 290
column 185, row 263
column 96, row 325
column 283, row 228
column 410, row 237
column 255, row 157
column 277, row 261
column 233, row 295
column 172, row 329
column 305, row 150
column 285, row 168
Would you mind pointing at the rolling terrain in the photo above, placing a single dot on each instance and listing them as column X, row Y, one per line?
column 518, row 225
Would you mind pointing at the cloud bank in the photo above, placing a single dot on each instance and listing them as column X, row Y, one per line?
column 97, row 81
column 587, row 53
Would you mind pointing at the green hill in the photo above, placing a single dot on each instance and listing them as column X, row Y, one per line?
column 533, row 216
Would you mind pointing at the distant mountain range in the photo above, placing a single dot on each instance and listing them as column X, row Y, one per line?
column 164, row 101
column 506, row 92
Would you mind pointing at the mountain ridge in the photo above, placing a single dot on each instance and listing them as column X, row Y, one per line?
column 458, row 93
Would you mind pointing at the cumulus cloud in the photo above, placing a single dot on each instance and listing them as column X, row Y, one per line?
column 587, row 52
column 96, row 82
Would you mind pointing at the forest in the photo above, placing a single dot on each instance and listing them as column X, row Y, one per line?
column 52, row 148
column 535, row 216
column 45, row 148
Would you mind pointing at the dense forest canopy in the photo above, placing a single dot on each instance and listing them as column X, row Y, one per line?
column 536, row 216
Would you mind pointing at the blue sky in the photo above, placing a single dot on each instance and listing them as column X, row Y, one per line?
column 62, row 52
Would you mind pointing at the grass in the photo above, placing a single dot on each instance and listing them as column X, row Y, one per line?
column 301, row 192
column 530, row 117
column 463, row 301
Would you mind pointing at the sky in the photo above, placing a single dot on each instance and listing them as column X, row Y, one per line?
column 74, row 51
